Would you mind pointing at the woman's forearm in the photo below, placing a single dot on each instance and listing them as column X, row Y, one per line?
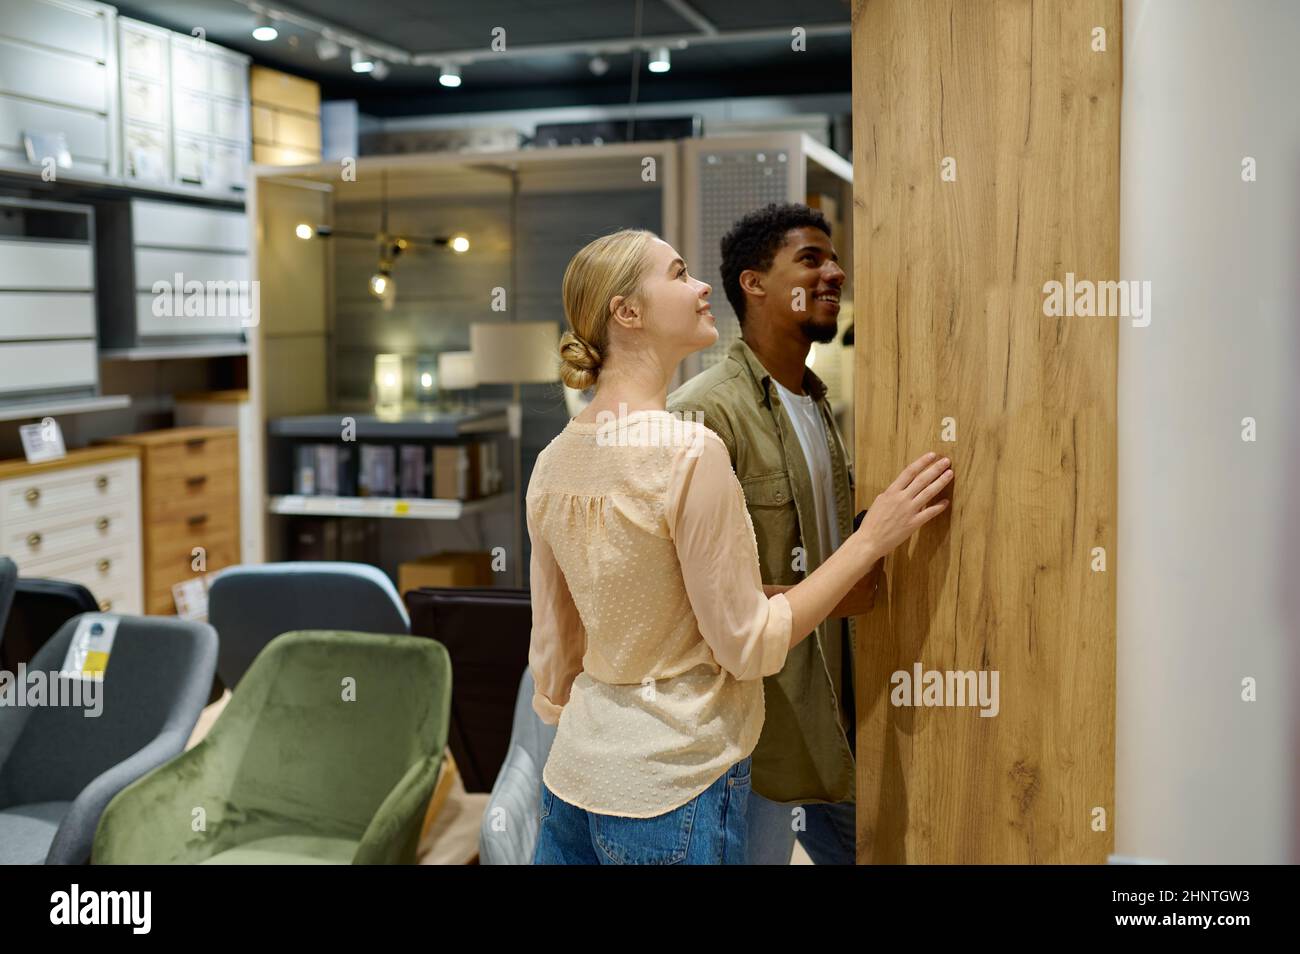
column 816, row 596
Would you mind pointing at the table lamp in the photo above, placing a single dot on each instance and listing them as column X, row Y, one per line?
column 515, row 353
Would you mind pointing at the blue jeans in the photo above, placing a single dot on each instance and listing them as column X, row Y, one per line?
column 829, row 832
column 707, row 830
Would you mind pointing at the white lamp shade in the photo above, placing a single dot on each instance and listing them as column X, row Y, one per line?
column 456, row 371
column 515, row 352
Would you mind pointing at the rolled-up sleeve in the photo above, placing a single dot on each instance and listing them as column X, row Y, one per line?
column 559, row 639
column 748, row 631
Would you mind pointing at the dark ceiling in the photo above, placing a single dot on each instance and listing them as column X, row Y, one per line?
column 703, row 70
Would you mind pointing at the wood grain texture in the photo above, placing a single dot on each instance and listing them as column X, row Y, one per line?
column 950, row 324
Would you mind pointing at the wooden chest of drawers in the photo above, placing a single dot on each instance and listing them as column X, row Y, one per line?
column 190, row 503
column 77, row 519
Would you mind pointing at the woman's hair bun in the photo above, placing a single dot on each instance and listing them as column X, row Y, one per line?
column 580, row 362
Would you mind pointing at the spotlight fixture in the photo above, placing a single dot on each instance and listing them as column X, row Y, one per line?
column 459, row 244
column 450, row 75
column 599, row 66
column 327, row 49
column 660, row 61
column 380, row 72
column 304, row 231
column 381, row 282
column 265, row 30
column 361, row 62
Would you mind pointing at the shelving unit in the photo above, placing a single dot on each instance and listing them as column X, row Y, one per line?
column 400, row 508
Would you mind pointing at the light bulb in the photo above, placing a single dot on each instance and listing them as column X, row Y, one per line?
column 450, row 76
column 459, row 244
column 380, row 285
column 361, row 62
column 426, row 380
column 304, row 231
column 265, row 30
column 661, row 61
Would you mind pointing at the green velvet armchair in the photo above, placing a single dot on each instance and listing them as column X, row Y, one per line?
column 327, row 753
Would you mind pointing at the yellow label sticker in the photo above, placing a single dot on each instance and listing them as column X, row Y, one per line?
column 95, row 663
column 401, row 507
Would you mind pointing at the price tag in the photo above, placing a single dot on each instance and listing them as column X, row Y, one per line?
column 91, row 646
column 43, row 441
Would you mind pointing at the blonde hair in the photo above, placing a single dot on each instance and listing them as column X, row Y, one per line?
column 611, row 265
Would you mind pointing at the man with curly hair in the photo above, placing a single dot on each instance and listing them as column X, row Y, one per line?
column 783, row 279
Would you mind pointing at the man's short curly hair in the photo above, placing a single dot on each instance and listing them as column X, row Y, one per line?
column 752, row 243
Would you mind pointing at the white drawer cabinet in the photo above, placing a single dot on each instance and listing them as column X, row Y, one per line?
column 185, row 109
column 152, row 242
column 59, row 74
column 77, row 519
column 47, row 301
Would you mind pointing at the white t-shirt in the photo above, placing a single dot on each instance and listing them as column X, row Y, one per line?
column 807, row 421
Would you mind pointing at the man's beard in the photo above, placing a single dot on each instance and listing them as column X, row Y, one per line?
column 818, row 333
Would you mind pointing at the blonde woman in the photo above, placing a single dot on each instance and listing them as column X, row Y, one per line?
column 651, row 627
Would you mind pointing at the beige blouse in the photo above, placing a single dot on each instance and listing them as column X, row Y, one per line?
column 651, row 632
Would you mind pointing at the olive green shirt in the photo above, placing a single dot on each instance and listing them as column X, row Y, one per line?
column 805, row 752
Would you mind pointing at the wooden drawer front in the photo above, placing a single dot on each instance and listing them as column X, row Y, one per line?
column 145, row 101
column 200, row 457
column 236, row 308
column 112, row 569
column 42, row 366
column 46, row 315
column 87, row 134
column 229, row 76
column 51, row 265
column 171, row 555
column 173, row 225
column 71, row 533
column 53, row 77
column 79, row 30
column 86, row 490
column 176, row 497
column 229, row 121
column 144, row 50
column 191, row 112
column 147, row 152
column 191, row 66
column 156, row 264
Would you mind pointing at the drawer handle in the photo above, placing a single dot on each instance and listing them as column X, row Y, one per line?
column 105, row 605
column 101, row 481
column 101, row 524
column 33, row 540
column 197, row 519
column 32, row 496
column 196, row 443
column 104, row 565
column 196, row 481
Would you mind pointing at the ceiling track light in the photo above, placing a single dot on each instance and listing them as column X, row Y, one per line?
column 660, row 60
column 327, row 49
column 362, row 62
column 265, row 30
column 450, row 75
column 380, row 72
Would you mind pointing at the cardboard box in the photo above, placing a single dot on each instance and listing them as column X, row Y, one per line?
column 456, row 471
column 283, row 156
column 268, row 87
column 446, row 569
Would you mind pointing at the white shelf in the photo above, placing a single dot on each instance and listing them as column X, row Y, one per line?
column 175, row 352
column 409, row 509
column 19, row 412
